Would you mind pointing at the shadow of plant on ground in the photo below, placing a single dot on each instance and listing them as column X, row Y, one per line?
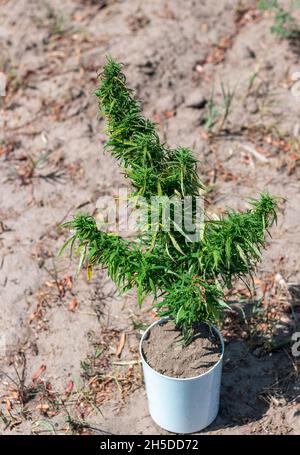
column 259, row 370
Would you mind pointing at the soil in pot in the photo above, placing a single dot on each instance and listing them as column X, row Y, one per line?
column 164, row 352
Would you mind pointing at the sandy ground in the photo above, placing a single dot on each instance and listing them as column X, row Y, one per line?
column 69, row 356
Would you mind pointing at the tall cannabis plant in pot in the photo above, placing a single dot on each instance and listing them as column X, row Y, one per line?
column 187, row 271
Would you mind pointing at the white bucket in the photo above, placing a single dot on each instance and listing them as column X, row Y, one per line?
column 183, row 405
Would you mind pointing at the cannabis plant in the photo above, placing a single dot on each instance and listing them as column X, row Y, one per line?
column 187, row 276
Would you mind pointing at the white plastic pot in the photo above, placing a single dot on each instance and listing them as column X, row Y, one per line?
column 183, row 405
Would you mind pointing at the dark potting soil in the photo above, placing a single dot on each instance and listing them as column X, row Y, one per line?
column 165, row 353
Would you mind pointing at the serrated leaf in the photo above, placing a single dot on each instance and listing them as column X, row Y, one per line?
column 168, row 253
column 180, row 314
column 228, row 251
column 159, row 190
column 178, row 228
column 223, row 304
column 64, row 246
column 81, row 260
column 140, row 294
column 242, row 255
column 216, row 256
column 152, row 286
column 175, row 244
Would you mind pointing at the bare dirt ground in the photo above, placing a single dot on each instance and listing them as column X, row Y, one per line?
column 70, row 361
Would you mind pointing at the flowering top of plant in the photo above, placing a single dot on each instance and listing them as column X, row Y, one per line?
column 187, row 278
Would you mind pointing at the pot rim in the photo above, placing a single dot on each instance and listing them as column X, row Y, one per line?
column 166, row 318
